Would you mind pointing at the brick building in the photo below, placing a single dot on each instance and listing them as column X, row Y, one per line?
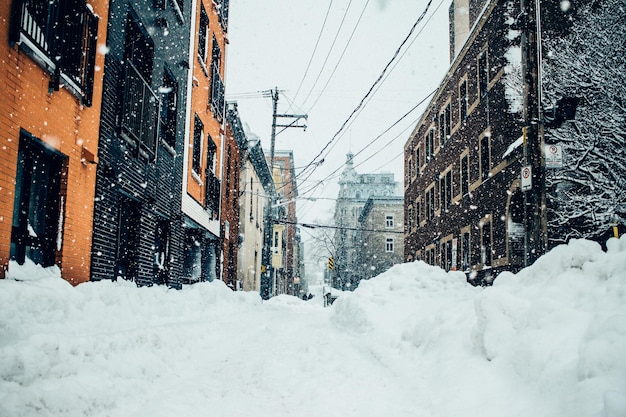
column 464, row 206
column 288, row 248
column 203, row 155
column 51, row 76
column 138, row 188
column 236, row 144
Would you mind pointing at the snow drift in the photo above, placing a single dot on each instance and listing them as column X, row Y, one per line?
column 414, row 341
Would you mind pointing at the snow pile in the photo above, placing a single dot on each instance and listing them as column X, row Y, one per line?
column 415, row 341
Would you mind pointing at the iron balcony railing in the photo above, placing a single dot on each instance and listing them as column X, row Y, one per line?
column 216, row 99
column 139, row 111
column 222, row 12
column 61, row 35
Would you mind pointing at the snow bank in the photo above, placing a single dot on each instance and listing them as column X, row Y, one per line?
column 547, row 341
column 416, row 340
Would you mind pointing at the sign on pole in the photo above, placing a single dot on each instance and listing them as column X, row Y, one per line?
column 554, row 156
column 527, row 178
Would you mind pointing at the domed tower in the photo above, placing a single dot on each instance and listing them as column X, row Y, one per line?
column 348, row 176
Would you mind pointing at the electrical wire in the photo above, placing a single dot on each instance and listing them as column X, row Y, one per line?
column 340, row 57
column 328, row 54
column 314, row 50
column 380, row 77
column 404, row 116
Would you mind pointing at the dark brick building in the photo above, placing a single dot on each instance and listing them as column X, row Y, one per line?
column 137, row 218
column 464, row 207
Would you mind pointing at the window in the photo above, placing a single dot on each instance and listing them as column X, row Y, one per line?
column 251, row 201
column 483, row 74
column 222, row 12
column 485, row 157
column 140, row 104
column 429, row 255
column 446, row 255
column 389, row 221
column 212, row 195
column 445, row 190
column 37, row 230
column 430, row 144
column 216, row 93
column 465, row 251
column 418, row 159
column 430, row 203
column 203, row 37
column 198, row 138
column 444, row 125
column 463, row 100
column 169, row 108
column 389, row 245
column 227, row 191
column 486, row 249
column 129, row 219
column 61, row 36
column 418, row 212
column 409, row 169
column 465, row 174
column 409, row 219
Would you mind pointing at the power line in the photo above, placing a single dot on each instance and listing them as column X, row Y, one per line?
column 314, row 49
column 340, row 57
column 380, row 77
column 329, row 52
column 323, row 226
column 372, row 141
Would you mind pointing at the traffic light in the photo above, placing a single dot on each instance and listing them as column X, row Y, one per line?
column 331, row 263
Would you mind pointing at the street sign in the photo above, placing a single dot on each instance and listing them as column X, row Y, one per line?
column 331, row 263
column 527, row 178
column 554, row 156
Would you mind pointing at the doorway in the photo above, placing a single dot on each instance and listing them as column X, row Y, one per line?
column 37, row 229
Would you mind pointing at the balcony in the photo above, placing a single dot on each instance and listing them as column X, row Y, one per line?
column 222, row 12
column 216, row 97
column 61, row 37
column 139, row 112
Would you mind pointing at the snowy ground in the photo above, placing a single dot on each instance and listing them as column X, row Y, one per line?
column 415, row 341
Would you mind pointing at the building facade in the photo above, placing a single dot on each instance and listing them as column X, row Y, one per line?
column 354, row 191
column 464, row 204
column 381, row 233
column 203, row 157
column 137, row 234
column 257, row 186
column 235, row 147
column 286, row 251
column 49, row 117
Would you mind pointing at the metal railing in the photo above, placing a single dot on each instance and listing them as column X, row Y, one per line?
column 139, row 110
column 61, row 35
column 216, row 99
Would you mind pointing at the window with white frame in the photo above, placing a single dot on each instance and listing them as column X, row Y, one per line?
column 389, row 221
column 389, row 245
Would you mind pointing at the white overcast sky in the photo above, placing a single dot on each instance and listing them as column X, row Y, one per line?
column 271, row 45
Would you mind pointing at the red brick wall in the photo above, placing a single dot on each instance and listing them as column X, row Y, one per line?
column 59, row 120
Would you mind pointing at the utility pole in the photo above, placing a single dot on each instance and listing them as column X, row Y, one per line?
column 271, row 217
column 535, row 220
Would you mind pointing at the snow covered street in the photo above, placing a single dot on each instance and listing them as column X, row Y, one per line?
column 415, row 341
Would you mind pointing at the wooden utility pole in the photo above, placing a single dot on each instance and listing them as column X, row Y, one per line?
column 267, row 277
